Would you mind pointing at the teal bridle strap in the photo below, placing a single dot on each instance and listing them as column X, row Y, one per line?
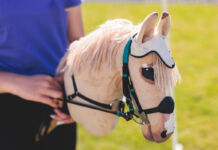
column 125, row 78
column 126, row 52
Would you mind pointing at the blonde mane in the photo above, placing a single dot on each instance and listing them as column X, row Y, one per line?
column 100, row 46
column 103, row 44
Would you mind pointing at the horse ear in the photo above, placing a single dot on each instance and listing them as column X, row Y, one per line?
column 163, row 26
column 147, row 28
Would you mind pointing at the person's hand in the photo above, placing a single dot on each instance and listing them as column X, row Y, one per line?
column 61, row 117
column 38, row 88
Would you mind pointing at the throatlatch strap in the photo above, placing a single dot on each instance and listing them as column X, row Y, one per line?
column 74, row 84
column 83, row 97
column 107, row 106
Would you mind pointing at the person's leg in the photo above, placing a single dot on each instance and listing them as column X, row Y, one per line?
column 62, row 137
column 19, row 121
column 10, row 141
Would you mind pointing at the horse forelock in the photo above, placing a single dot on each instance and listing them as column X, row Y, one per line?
column 165, row 78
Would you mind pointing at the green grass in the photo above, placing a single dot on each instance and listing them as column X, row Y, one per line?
column 194, row 44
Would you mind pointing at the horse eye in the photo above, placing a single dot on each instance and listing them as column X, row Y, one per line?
column 148, row 73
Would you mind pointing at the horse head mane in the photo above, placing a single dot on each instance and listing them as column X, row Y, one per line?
column 101, row 47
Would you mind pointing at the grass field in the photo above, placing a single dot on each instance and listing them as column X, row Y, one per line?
column 194, row 44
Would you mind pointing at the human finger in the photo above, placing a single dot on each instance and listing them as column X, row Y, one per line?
column 59, row 102
column 64, row 121
column 56, row 85
column 59, row 78
column 68, row 120
column 53, row 93
column 61, row 114
column 51, row 82
column 56, row 117
column 49, row 101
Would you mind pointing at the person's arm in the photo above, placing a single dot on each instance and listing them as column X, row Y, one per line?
column 75, row 23
column 75, row 31
column 5, row 80
column 37, row 88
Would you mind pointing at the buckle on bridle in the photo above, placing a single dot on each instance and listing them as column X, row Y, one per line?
column 127, row 116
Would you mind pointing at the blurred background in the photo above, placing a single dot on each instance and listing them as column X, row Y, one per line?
column 194, row 45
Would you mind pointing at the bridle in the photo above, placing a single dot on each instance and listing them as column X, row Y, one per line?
column 133, row 104
column 129, row 99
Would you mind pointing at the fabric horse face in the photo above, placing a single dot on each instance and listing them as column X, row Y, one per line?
column 96, row 63
column 153, row 74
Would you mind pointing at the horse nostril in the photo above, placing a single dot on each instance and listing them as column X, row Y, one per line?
column 164, row 134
